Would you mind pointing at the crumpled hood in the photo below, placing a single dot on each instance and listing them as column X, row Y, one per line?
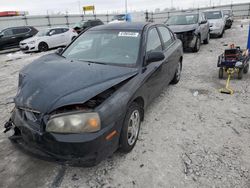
column 52, row 82
column 182, row 28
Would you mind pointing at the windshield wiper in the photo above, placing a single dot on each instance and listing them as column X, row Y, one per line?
column 94, row 62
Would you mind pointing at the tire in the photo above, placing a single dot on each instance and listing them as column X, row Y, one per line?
column 43, row 47
column 197, row 44
column 246, row 69
column 221, row 72
column 221, row 35
column 177, row 75
column 240, row 74
column 206, row 41
column 129, row 135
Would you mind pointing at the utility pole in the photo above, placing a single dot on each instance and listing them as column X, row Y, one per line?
column 79, row 6
column 126, row 7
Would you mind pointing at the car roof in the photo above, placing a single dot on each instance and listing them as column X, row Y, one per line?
column 18, row 27
column 121, row 26
column 212, row 10
column 187, row 13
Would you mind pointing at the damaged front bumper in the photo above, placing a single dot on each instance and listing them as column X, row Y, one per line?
column 188, row 39
column 86, row 149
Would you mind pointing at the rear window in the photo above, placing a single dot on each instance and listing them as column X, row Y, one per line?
column 213, row 15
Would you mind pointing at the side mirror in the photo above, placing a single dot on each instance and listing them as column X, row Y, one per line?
column 154, row 56
column 1, row 35
column 59, row 51
column 203, row 22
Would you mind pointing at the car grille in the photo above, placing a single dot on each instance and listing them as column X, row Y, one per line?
column 22, row 43
column 185, row 36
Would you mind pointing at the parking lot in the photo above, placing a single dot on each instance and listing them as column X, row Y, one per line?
column 192, row 135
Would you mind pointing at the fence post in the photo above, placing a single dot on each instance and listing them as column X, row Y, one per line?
column 25, row 19
column 67, row 20
column 48, row 20
column 152, row 16
column 146, row 15
column 249, row 10
column 107, row 17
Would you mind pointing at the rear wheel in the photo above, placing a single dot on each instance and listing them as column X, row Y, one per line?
column 246, row 69
column 42, row 47
column 221, row 72
column 197, row 44
column 206, row 41
column 177, row 75
column 221, row 35
column 131, row 128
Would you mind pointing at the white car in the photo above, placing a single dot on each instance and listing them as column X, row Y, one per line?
column 48, row 38
column 217, row 22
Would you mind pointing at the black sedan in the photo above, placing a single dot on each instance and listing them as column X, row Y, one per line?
column 10, row 37
column 82, row 104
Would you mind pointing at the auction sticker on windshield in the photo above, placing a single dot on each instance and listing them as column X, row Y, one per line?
column 128, row 34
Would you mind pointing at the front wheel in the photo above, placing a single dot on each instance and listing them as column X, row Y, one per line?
column 206, row 41
column 131, row 128
column 246, row 69
column 177, row 75
column 42, row 47
column 197, row 44
column 240, row 74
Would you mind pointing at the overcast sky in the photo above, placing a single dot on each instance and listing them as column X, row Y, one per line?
column 102, row 6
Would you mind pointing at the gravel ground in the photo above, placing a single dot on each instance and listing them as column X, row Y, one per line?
column 186, row 140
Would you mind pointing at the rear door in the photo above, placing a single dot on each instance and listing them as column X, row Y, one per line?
column 21, row 33
column 8, row 39
column 170, row 49
column 203, row 27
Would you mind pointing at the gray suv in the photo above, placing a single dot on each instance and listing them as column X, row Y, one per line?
column 191, row 28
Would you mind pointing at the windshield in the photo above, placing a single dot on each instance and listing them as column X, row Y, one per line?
column 81, row 24
column 183, row 19
column 107, row 47
column 42, row 33
column 119, row 17
column 213, row 15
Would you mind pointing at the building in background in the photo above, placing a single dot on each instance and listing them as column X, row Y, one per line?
column 13, row 13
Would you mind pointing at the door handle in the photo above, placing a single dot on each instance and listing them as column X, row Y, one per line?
column 13, row 37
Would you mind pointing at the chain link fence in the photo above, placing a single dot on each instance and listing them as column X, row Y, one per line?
column 241, row 10
column 45, row 21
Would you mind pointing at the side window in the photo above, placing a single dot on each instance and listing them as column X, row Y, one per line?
column 166, row 36
column 59, row 31
column 7, row 32
column 154, row 42
column 65, row 30
column 18, row 31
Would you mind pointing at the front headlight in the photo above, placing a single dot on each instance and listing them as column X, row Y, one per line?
column 32, row 42
column 80, row 122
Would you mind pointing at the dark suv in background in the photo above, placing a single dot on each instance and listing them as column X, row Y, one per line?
column 85, row 24
column 10, row 37
column 191, row 29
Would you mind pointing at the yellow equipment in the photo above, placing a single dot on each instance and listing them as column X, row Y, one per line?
column 227, row 89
